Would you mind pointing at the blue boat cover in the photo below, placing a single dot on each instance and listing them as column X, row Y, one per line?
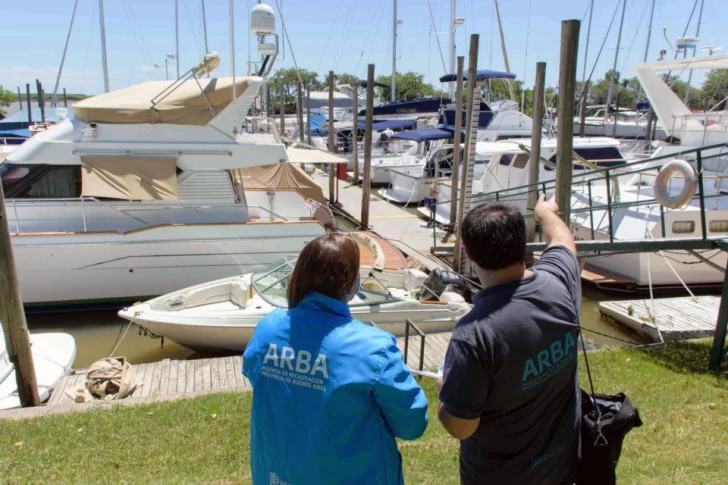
column 14, row 137
column 423, row 135
column 390, row 124
column 479, row 75
column 318, row 121
column 412, row 108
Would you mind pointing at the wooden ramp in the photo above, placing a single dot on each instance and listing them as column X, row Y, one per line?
column 168, row 378
column 676, row 318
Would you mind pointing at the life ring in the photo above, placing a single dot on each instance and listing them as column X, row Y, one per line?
column 661, row 187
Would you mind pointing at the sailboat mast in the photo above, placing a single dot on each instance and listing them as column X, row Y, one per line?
column 176, row 34
column 505, row 54
column 649, row 32
column 452, row 46
column 204, row 29
column 103, row 46
column 393, row 97
column 54, row 98
column 232, row 47
column 586, row 50
column 616, row 57
column 697, row 34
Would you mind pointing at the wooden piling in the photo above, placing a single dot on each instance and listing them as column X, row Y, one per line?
column 299, row 111
column 283, row 110
column 41, row 101
column 459, row 261
column 30, row 107
column 332, row 145
column 355, row 135
column 366, row 183
column 65, row 99
column 535, row 156
column 20, row 100
column 565, row 128
column 582, row 114
column 457, row 141
column 308, row 114
column 12, row 317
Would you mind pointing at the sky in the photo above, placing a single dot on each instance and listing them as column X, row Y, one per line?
column 339, row 35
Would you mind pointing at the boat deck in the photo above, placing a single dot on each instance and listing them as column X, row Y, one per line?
column 676, row 318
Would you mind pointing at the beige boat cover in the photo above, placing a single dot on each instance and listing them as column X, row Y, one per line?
column 184, row 106
column 281, row 176
column 111, row 378
column 129, row 178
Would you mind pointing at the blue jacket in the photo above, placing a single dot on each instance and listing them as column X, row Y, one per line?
column 330, row 394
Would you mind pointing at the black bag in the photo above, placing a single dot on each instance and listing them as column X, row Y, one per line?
column 605, row 421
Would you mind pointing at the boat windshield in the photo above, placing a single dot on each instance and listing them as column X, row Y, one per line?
column 271, row 283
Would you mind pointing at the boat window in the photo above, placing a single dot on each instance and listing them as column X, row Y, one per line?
column 42, row 182
column 718, row 226
column 505, row 160
column 521, row 160
column 683, row 227
column 271, row 283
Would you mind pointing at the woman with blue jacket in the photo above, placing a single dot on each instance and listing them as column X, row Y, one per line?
column 330, row 394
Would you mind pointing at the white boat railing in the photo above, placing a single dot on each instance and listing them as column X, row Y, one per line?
column 135, row 213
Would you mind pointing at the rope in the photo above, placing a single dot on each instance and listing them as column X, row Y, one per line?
column 120, row 338
column 649, row 282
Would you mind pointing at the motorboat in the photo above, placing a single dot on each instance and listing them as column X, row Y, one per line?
column 508, row 164
column 221, row 316
column 639, row 215
column 623, row 123
column 144, row 190
column 53, row 356
column 423, row 145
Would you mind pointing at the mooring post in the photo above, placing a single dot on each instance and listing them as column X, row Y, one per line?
column 565, row 140
column 41, row 101
column 12, row 317
column 459, row 261
column 355, row 135
column 366, row 183
column 65, row 100
column 456, row 149
column 299, row 111
column 332, row 146
column 308, row 114
column 30, row 107
column 718, row 348
column 283, row 110
column 20, row 100
column 535, row 155
column 582, row 115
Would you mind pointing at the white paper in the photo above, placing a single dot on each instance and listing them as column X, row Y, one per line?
column 434, row 375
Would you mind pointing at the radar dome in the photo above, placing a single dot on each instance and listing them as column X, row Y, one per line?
column 263, row 20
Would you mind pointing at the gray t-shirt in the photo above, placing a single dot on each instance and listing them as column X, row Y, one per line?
column 512, row 362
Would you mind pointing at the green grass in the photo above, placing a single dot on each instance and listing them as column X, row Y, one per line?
column 684, row 438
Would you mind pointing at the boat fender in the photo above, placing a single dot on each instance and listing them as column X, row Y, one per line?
column 452, row 297
column 661, row 185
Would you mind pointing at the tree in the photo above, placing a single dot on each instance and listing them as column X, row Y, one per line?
column 6, row 99
column 715, row 89
column 289, row 79
column 410, row 86
column 347, row 79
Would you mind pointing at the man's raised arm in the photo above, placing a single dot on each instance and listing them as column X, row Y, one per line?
column 555, row 231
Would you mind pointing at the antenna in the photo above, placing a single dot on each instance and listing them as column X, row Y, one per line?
column 711, row 49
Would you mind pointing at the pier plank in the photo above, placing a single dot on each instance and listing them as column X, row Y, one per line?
column 198, row 376
column 214, row 375
column 190, row 376
column 148, row 374
column 222, row 371
column 238, row 370
column 164, row 378
column 181, row 376
column 206, row 375
column 156, row 379
column 232, row 383
column 172, row 379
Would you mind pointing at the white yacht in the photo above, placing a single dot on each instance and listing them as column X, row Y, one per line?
column 143, row 191
column 631, row 221
column 507, row 167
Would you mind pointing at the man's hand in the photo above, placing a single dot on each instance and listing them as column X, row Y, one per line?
column 555, row 231
column 544, row 207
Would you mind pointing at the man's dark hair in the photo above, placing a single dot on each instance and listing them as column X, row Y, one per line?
column 494, row 236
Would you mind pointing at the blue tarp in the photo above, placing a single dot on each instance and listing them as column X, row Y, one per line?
column 423, row 135
column 317, row 122
column 479, row 75
column 390, row 124
column 14, row 137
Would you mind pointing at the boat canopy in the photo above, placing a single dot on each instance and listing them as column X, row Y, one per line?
column 479, row 75
column 390, row 124
column 286, row 176
column 409, row 108
column 129, row 177
column 185, row 105
column 428, row 134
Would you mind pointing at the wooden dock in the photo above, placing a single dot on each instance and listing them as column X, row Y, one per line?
column 401, row 227
column 676, row 318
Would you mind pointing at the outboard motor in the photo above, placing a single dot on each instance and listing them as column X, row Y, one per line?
column 439, row 279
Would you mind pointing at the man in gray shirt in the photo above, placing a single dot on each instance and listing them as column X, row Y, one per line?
column 510, row 390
